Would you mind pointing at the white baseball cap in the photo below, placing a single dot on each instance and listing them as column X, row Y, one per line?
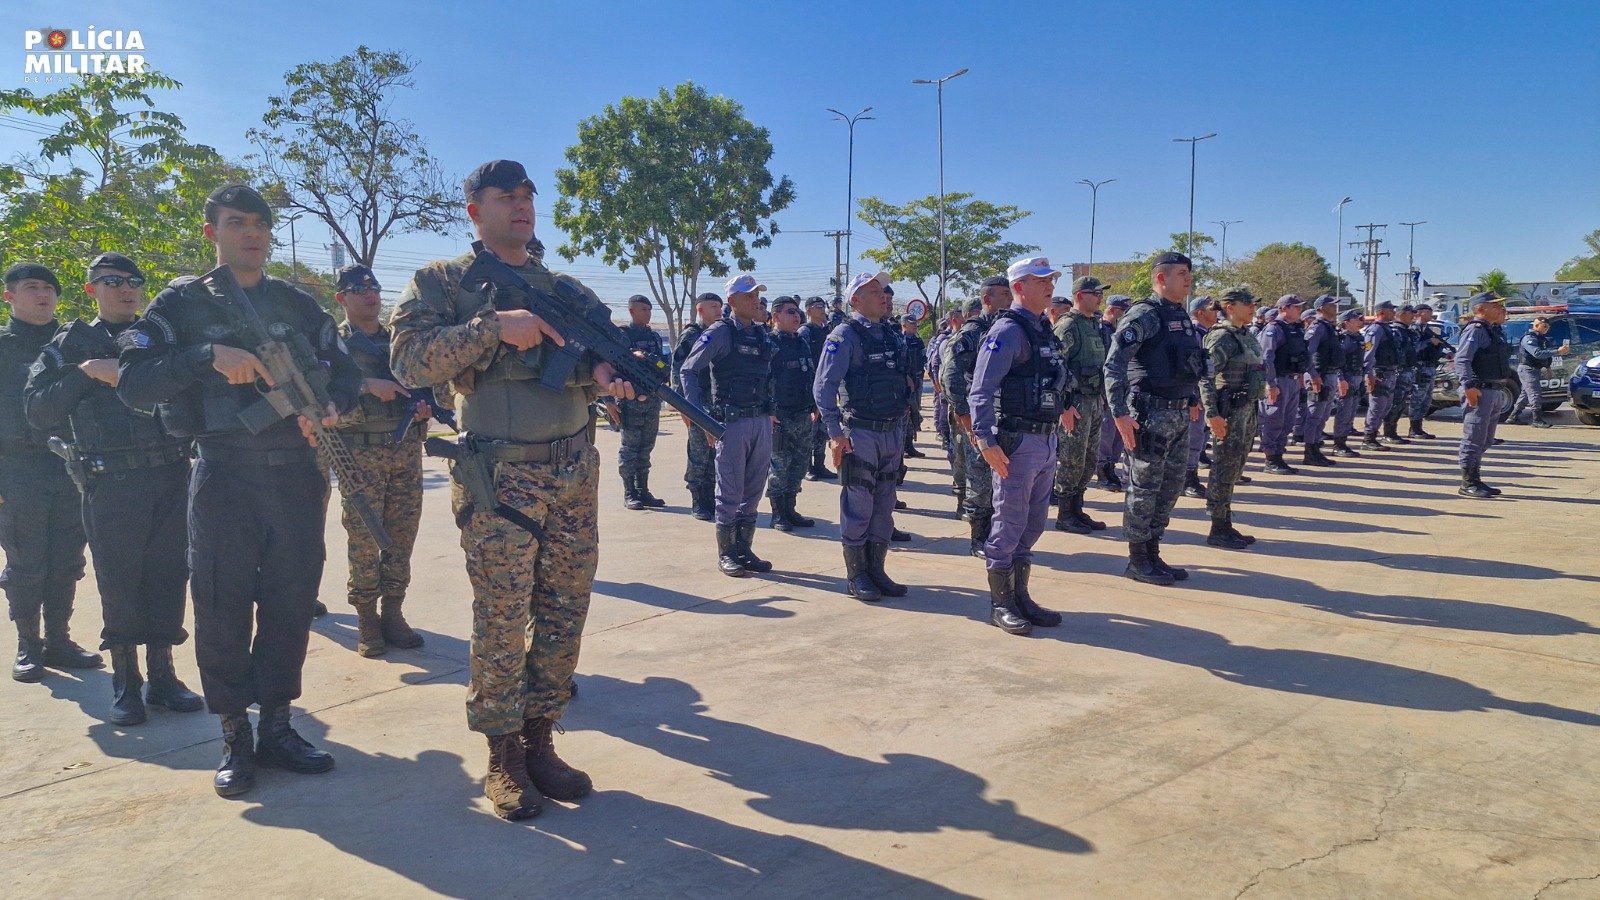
column 860, row 281
column 1038, row 266
column 743, row 284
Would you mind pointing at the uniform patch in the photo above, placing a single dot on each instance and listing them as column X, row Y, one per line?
column 166, row 328
column 705, row 337
column 216, row 332
column 280, row 330
column 993, row 344
column 830, row 346
column 1128, row 336
column 138, row 339
column 1176, row 326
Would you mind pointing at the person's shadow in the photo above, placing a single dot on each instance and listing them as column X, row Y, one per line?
column 678, row 601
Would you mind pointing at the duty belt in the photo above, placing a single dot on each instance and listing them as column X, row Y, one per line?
column 1151, row 401
column 370, row 438
column 855, row 424
column 558, row 452
column 729, row 412
column 242, row 457
column 1027, row 426
column 128, row 460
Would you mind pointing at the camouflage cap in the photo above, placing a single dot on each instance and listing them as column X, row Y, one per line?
column 1089, row 283
column 356, row 277
column 1239, row 294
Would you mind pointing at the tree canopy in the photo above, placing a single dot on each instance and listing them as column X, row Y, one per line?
column 1584, row 266
column 975, row 244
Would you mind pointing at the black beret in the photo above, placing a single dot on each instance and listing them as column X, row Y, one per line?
column 1061, row 300
column 709, row 297
column 22, row 271
column 1171, row 258
column 996, row 281
column 114, row 261
column 355, row 277
column 238, row 196
column 786, row 301
column 500, row 173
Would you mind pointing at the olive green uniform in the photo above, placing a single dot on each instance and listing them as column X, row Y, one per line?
column 1085, row 355
column 1236, row 382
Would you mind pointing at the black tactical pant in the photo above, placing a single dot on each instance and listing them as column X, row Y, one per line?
column 137, row 527
column 41, row 531
column 641, row 420
column 255, row 555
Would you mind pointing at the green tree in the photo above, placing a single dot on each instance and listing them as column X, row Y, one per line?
column 677, row 184
column 1283, row 268
column 1584, row 266
column 1137, row 284
column 975, row 247
column 1497, row 282
column 315, row 282
column 332, row 148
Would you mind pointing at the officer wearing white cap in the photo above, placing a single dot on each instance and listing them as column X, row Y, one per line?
column 863, row 390
column 1483, row 364
column 738, row 352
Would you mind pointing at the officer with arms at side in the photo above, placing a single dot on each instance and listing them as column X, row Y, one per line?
column 917, row 353
column 955, row 370
column 1203, row 312
column 1111, row 449
column 41, row 526
column 816, row 331
column 134, row 478
column 1020, row 395
column 1431, row 350
column 641, row 417
column 1380, row 365
column 1533, row 359
column 1236, row 380
column 257, row 501
column 1283, row 352
column 1322, row 378
column 1085, row 356
column 1405, row 376
column 1352, row 354
column 941, row 408
column 531, row 449
column 700, row 472
column 794, row 414
column 1153, row 386
column 1483, row 364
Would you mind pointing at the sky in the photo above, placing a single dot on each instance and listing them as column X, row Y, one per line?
column 1477, row 118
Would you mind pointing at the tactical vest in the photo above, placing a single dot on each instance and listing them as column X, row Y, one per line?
column 101, row 422
column 1033, row 389
column 1528, row 359
column 371, row 355
column 793, row 374
column 877, row 389
column 743, row 378
column 1289, row 353
column 916, row 353
column 20, row 345
column 1088, row 361
column 816, row 336
column 1351, row 348
column 1330, row 353
column 1405, row 344
column 1491, row 365
column 1244, row 368
column 964, row 352
column 1170, row 363
column 1429, row 354
column 1385, row 354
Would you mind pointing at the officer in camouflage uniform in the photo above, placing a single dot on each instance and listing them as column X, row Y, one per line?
column 794, row 414
column 1085, row 357
column 1152, row 385
column 700, row 473
column 960, row 359
column 948, row 434
column 1111, row 449
column 1228, row 394
column 535, row 448
column 1204, row 313
column 641, row 418
column 384, row 434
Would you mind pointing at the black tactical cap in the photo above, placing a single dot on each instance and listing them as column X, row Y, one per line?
column 242, row 197
column 1063, row 301
column 1386, row 304
column 1324, row 300
column 1120, row 301
column 816, row 303
column 1238, row 295
column 1171, row 258
column 709, row 297
column 114, row 261
column 23, row 271
column 356, row 277
column 996, row 281
column 786, row 301
column 500, row 173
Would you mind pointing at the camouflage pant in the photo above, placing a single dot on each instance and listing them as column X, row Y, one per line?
column 394, row 489
column 640, row 422
column 530, row 594
column 1155, row 472
column 791, row 454
column 980, row 478
column 701, row 471
column 1227, row 460
column 1078, row 452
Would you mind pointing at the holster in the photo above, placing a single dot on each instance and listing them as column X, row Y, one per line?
column 76, row 470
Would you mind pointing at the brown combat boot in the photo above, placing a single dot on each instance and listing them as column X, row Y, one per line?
column 395, row 628
column 369, row 629
column 507, row 785
column 554, row 778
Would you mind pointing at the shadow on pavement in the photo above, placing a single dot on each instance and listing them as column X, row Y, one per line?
column 667, row 598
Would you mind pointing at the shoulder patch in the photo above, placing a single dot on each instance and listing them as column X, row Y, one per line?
column 133, row 337
column 992, row 343
column 1128, row 336
column 831, row 345
column 160, row 322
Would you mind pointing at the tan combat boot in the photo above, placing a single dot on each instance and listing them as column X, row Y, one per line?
column 395, row 628
column 554, row 778
column 507, row 785
column 369, row 640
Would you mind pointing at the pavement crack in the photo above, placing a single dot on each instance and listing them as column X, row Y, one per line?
column 1560, row 881
column 1378, row 833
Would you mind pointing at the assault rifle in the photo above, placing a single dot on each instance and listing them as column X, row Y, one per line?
column 445, row 417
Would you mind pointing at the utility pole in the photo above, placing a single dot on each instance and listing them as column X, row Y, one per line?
column 1411, row 259
column 1094, row 208
column 850, row 180
column 1369, row 262
column 944, row 268
column 1338, row 255
column 1192, row 142
column 1225, row 223
column 838, row 283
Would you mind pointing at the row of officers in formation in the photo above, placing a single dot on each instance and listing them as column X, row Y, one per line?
column 143, row 435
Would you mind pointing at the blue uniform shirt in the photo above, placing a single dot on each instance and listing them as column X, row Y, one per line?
column 1373, row 336
column 1004, row 346
column 1473, row 339
column 1538, row 346
column 714, row 343
column 840, row 353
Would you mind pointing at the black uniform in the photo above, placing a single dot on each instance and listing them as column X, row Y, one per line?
column 793, row 372
column 815, row 336
column 917, row 355
column 641, row 419
column 699, row 474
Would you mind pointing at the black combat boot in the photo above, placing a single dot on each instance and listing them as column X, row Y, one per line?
column 1341, row 446
column 396, row 630
column 702, row 504
column 793, row 515
column 779, row 520
column 1276, row 466
column 1248, row 539
column 552, row 776
column 960, row 490
column 507, row 785
column 29, row 667
column 164, row 688
column 318, row 609
column 279, row 746
column 369, row 630
column 1538, row 420
column 1477, row 475
column 911, row 451
column 236, row 774
column 1471, row 486
column 898, row 536
column 642, row 487
column 1076, row 502
column 1003, row 612
column 728, row 561
column 1141, row 569
column 980, row 522
column 1391, row 433
column 1222, row 536
column 1192, row 486
column 1108, row 479
column 61, row 652
column 1033, row 612
column 746, row 534
column 858, row 583
column 1417, row 431
column 1066, row 521
column 1313, row 456
column 1153, row 546
column 1370, row 442
column 127, row 707
column 877, row 555
column 1205, row 459
column 630, row 492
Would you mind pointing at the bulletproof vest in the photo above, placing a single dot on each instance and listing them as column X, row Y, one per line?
column 1405, row 342
column 1170, row 363
column 1244, row 368
column 101, row 422
column 965, row 351
column 371, row 355
column 20, row 344
column 1351, row 347
column 1330, row 353
column 1289, row 353
column 1542, row 342
column 793, row 373
column 1492, row 362
column 1428, row 354
column 743, row 378
column 1386, row 354
column 1032, row 389
column 686, row 341
column 877, row 388
column 916, row 353
column 1088, row 362
column 815, row 335
column 644, row 339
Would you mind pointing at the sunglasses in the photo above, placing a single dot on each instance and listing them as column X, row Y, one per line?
column 119, row 280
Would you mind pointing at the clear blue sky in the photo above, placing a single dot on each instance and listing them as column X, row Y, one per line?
column 1477, row 117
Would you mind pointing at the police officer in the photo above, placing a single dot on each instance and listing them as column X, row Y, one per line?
column 1019, row 397
column 256, row 500
column 737, row 351
column 794, row 414
column 384, row 434
column 1084, row 354
column 955, row 436
column 1380, row 363
column 41, row 529
column 836, row 314
column 1322, row 378
column 1352, row 354
column 1533, row 358
column 960, row 359
column 1111, row 449
column 941, row 407
column 863, row 389
column 1203, row 314
column 532, row 450
column 815, row 331
column 1236, row 380
column 1483, row 365
column 641, row 417
column 1153, row 386
column 1431, row 350
column 1405, row 376
column 700, row 472
column 133, row 476
column 1283, row 352
column 917, row 358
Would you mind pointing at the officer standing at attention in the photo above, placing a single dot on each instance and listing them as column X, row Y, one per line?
column 700, row 472
column 1153, row 386
column 941, row 409
column 1431, row 350
column 1084, row 354
column 738, row 352
column 134, row 479
column 641, row 417
column 256, row 500
column 917, row 358
column 1380, row 363
column 1019, row 397
column 1283, row 351
column 1322, row 378
column 534, row 447
column 1111, row 448
column 815, row 331
column 836, row 314
column 1483, row 364
column 1533, row 358
column 1405, row 377
column 863, row 389
column 389, row 451
column 960, row 359
column 794, row 414
column 1236, row 380
column 1203, row 314
column 955, row 439
column 1351, row 359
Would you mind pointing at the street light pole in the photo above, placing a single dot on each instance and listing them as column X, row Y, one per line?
column 944, row 269
column 1411, row 259
column 850, row 181
column 1192, row 142
column 1094, row 204
column 1225, row 223
column 1338, row 255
